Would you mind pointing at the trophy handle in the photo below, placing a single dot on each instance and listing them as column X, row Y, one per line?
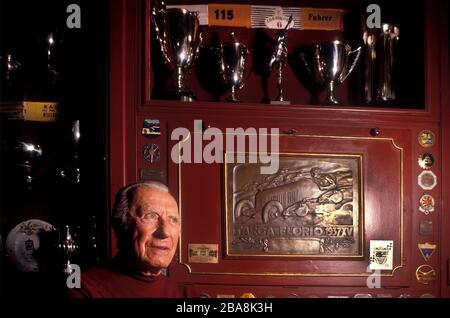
column 159, row 9
column 199, row 46
column 355, row 60
column 250, row 71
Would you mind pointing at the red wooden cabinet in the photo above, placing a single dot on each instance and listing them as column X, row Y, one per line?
column 384, row 141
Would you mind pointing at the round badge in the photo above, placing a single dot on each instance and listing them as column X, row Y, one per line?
column 151, row 153
column 426, row 161
column 427, row 180
column 425, row 274
column 426, row 138
column 426, row 204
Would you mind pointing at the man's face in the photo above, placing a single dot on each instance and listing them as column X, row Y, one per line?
column 156, row 231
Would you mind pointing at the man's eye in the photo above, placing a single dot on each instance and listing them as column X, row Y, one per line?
column 173, row 219
column 151, row 216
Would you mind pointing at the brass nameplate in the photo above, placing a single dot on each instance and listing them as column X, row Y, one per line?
column 203, row 253
column 310, row 207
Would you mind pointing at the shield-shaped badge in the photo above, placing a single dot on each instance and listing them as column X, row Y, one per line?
column 427, row 250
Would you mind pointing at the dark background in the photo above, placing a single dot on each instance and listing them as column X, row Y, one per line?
column 81, row 56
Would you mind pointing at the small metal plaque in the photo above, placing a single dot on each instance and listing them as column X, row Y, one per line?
column 203, row 253
column 310, row 207
column 427, row 180
column 156, row 175
column 151, row 128
column 426, row 138
column 225, row 296
column 425, row 274
column 426, row 227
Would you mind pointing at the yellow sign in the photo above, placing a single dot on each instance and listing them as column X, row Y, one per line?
column 321, row 19
column 41, row 111
column 233, row 15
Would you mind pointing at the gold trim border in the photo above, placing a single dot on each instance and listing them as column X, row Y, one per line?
column 287, row 274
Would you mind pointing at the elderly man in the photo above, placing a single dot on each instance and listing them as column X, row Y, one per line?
column 147, row 225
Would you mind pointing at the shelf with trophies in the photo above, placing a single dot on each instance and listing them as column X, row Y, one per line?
column 336, row 53
column 52, row 204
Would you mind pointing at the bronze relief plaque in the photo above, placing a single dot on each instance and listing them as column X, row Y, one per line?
column 311, row 207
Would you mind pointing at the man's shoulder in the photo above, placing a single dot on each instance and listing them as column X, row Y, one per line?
column 108, row 281
column 99, row 271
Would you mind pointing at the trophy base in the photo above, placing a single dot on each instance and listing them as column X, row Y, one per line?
column 331, row 102
column 381, row 102
column 188, row 98
column 280, row 102
column 181, row 96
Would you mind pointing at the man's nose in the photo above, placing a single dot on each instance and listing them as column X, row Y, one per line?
column 162, row 231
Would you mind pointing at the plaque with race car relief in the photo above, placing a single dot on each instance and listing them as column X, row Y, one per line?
column 311, row 207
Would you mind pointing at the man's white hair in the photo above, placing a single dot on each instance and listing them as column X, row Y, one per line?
column 121, row 208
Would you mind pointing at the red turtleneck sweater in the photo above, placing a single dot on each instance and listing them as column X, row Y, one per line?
column 110, row 282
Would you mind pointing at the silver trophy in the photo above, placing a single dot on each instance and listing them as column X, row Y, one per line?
column 380, row 55
column 179, row 36
column 332, row 66
column 278, row 60
column 25, row 157
column 233, row 65
column 67, row 247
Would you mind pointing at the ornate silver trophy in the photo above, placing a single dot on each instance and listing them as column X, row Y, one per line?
column 233, row 65
column 380, row 55
column 278, row 60
column 179, row 36
column 331, row 64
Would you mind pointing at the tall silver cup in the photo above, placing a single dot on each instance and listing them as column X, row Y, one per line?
column 179, row 36
column 233, row 65
column 332, row 66
column 380, row 55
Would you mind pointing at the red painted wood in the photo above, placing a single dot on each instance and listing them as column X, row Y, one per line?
column 132, row 79
column 445, row 146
